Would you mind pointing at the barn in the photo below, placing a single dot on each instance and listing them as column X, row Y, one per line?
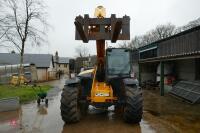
column 172, row 62
column 43, row 62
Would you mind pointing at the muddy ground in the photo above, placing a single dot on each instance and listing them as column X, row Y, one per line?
column 161, row 114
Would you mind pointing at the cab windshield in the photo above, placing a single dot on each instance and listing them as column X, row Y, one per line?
column 118, row 62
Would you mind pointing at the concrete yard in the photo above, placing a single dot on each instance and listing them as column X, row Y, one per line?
column 161, row 114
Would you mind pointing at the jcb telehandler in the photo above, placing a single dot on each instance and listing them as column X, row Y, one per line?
column 110, row 82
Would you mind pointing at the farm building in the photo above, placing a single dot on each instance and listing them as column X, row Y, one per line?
column 85, row 62
column 61, row 64
column 174, row 63
column 43, row 62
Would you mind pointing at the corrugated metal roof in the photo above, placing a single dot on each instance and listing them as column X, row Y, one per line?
column 184, row 44
column 40, row 60
column 189, row 90
column 195, row 54
column 63, row 60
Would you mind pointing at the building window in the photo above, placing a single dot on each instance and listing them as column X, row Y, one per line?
column 65, row 65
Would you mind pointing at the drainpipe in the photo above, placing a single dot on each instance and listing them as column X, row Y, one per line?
column 162, row 78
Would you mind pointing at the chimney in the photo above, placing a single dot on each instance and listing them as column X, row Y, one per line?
column 56, row 57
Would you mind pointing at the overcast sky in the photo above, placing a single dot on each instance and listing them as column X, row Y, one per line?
column 144, row 14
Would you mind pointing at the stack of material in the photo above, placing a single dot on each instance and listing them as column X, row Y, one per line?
column 149, row 85
column 188, row 90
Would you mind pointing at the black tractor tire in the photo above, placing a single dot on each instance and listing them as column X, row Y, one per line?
column 133, row 108
column 70, row 110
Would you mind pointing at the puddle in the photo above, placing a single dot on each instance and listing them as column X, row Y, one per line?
column 10, row 121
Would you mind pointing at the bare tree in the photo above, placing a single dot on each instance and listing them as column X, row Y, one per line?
column 1, row 21
column 188, row 26
column 82, row 51
column 160, row 32
column 26, row 22
column 136, row 42
column 124, row 44
column 147, row 38
column 163, row 31
column 133, row 44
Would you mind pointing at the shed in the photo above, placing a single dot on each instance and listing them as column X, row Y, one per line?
column 182, row 51
column 43, row 62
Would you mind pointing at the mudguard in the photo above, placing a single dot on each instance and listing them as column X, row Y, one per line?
column 130, row 81
column 72, row 82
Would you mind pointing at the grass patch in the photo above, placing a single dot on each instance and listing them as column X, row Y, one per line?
column 26, row 93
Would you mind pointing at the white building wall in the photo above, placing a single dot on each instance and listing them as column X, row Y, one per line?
column 51, row 67
column 64, row 68
column 42, row 74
